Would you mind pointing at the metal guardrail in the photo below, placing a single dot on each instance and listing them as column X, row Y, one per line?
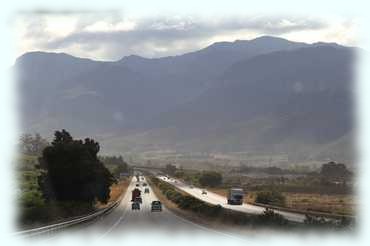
column 66, row 224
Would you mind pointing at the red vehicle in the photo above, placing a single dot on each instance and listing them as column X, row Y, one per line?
column 135, row 193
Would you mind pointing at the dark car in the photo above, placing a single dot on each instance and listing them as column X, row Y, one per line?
column 135, row 206
column 156, row 206
column 137, row 185
column 146, row 190
column 138, row 199
column 144, row 184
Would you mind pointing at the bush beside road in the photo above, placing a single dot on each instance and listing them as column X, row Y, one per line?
column 216, row 213
column 267, row 217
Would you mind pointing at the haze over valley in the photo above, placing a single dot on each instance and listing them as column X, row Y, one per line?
column 266, row 97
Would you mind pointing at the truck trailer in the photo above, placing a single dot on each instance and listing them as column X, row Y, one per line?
column 135, row 193
column 235, row 196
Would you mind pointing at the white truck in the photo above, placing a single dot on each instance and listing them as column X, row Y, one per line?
column 235, row 196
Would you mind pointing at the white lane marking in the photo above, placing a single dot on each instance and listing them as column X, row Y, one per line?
column 121, row 217
column 114, row 225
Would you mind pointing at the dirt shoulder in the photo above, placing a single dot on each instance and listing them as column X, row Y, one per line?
column 117, row 191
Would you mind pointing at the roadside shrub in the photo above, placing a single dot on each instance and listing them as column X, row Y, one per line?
column 30, row 199
column 271, row 197
column 185, row 201
column 269, row 217
column 179, row 174
column 52, row 212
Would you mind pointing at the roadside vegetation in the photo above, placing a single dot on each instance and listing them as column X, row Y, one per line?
column 217, row 212
column 209, row 213
column 328, row 189
column 270, row 197
column 64, row 179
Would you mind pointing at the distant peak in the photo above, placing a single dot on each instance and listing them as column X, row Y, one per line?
column 135, row 57
column 333, row 44
column 42, row 55
column 269, row 38
column 219, row 44
column 132, row 58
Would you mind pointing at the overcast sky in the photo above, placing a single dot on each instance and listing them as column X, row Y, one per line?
column 110, row 35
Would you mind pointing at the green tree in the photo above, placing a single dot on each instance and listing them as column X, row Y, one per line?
column 210, row 178
column 120, row 168
column 271, row 197
column 170, row 169
column 71, row 171
column 334, row 170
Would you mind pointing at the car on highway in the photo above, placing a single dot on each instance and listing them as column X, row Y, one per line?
column 204, row 192
column 145, row 184
column 156, row 206
column 137, row 185
column 138, row 199
column 146, row 190
column 135, row 206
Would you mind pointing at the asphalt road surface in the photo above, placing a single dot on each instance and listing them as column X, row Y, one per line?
column 214, row 198
column 126, row 226
column 125, row 223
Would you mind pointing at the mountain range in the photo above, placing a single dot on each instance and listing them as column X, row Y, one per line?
column 266, row 95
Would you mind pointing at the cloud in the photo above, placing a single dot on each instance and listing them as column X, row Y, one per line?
column 110, row 36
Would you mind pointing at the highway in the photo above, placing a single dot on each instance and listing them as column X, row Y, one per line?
column 125, row 222
column 125, row 225
column 214, row 198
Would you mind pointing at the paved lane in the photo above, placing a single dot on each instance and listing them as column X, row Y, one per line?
column 125, row 222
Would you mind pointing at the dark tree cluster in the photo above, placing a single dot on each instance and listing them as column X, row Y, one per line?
column 210, row 178
column 120, row 164
column 71, row 171
column 272, row 197
column 335, row 170
column 121, row 168
column 170, row 169
column 269, row 170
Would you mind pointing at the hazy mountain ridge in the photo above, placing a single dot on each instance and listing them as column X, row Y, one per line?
column 266, row 94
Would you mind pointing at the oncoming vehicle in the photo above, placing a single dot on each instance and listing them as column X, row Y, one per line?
column 146, row 190
column 235, row 196
column 135, row 206
column 204, row 192
column 156, row 206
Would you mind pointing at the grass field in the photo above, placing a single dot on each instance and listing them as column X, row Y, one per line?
column 336, row 204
